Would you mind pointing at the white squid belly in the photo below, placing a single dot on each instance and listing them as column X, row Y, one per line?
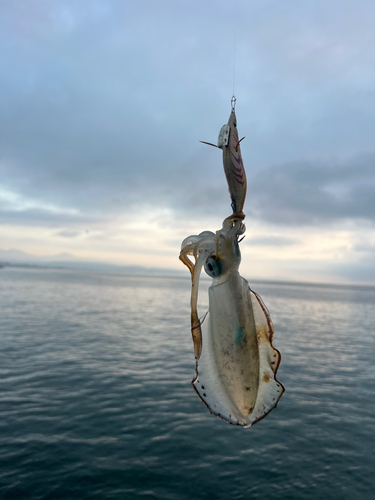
column 235, row 375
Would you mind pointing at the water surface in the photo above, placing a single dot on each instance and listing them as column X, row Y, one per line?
column 96, row 400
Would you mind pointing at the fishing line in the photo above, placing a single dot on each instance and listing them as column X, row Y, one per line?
column 234, row 57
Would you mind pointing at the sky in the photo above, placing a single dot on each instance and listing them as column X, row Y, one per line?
column 103, row 104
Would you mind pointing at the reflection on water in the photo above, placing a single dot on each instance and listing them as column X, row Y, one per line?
column 96, row 400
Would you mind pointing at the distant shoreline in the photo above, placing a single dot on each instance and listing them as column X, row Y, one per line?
column 135, row 271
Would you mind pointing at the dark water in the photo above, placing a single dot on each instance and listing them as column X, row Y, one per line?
column 96, row 401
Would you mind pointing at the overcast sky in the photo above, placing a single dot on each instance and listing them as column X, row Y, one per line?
column 103, row 105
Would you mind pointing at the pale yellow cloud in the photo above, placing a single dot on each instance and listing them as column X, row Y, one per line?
column 152, row 238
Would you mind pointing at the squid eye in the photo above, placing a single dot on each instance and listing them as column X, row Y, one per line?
column 213, row 267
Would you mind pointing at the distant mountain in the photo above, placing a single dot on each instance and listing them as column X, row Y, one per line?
column 18, row 258
column 14, row 255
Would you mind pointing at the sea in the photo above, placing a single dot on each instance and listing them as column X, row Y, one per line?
column 96, row 399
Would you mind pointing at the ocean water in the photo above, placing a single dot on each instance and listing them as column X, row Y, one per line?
column 96, row 400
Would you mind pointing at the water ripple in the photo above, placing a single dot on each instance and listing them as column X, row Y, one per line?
column 96, row 401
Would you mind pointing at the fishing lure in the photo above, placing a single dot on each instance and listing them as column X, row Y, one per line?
column 236, row 364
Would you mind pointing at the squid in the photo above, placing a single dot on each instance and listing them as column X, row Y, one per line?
column 235, row 361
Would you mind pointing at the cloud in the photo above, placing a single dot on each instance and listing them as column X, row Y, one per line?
column 277, row 241
column 360, row 272
column 307, row 193
column 38, row 218
column 69, row 233
column 103, row 107
column 365, row 247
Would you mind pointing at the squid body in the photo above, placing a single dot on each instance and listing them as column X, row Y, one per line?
column 236, row 364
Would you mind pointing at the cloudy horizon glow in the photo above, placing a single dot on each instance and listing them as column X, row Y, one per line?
column 104, row 103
